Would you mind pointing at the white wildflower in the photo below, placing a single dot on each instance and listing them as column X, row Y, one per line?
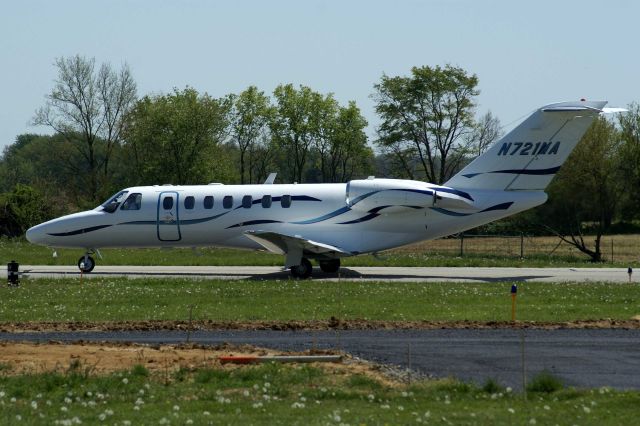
column 34, row 405
column 176, row 408
column 511, row 410
column 125, row 380
column 586, row 409
column 102, row 417
column 546, row 407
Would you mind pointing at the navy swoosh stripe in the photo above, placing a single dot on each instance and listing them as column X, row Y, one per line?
column 455, row 192
column 550, row 171
column 201, row 220
column 501, row 206
column 323, row 217
column 449, row 212
column 140, row 222
column 303, row 198
column 362, row 197
column 362, row 219
column 377, row 209
column 533, row 172
column 181, row 222
column 79, row 231
column 253, row 222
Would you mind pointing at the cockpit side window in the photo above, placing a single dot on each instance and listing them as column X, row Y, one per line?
column 133, row 202
column 112, row 203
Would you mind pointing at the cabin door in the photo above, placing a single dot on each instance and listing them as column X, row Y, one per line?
column 168, row 219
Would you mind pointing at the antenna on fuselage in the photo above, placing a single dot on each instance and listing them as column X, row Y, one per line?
column 270, row 179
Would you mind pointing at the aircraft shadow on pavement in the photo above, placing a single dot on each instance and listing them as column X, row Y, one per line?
column 345, row 273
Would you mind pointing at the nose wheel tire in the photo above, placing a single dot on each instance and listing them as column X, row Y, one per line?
column 86, row 264
column 331, row 266
column 303, row 270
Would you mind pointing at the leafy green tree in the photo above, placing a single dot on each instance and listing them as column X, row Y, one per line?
column 629, row 124
column 90, row 103
column 426, row 118
column 177, row 138
column 251, row 115
column 346, row 152
column 294, row 127
column 21, row 209
column 50, row 164
column 585, row 195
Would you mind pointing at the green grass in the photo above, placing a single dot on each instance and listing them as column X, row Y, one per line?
column 29, row 254
column 122, row 299
column 274, row 394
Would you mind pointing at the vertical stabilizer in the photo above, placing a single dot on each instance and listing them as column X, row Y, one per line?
column 529, row 156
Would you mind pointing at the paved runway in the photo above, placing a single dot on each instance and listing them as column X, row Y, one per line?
column 582, row 358
column 489, row 274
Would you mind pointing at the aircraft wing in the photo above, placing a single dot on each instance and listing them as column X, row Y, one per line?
column 292, row 245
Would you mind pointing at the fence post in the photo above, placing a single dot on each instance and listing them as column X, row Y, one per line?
column 611, row 250
column 461, row 244
column 522, row 245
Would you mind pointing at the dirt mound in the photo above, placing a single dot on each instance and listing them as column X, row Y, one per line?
column 330, row 324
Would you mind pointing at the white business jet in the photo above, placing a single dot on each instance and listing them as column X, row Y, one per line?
column 326, row 222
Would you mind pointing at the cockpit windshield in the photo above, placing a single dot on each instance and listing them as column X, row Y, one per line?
column 113, row 202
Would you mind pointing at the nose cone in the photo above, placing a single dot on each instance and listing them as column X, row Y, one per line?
column 36, row 234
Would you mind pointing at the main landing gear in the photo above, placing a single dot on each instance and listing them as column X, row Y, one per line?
column 86, row 263
column 304, row 269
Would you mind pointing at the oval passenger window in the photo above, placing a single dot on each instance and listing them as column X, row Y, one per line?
column 167, row 203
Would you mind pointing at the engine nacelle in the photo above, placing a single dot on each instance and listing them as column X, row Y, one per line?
column 395, row 196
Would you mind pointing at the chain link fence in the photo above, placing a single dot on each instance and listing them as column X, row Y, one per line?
column 618, row 248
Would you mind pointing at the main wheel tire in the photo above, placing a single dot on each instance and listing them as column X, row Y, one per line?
column 331, row 266
column 303, row 270
column 86, row 266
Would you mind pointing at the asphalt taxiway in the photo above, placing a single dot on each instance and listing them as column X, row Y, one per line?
column 581, row 358
column 432, row 274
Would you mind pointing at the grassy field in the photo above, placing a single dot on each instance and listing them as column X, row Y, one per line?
column 489, row 251
column 272, row 394
column 121, row 299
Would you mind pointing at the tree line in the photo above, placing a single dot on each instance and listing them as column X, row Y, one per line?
column 105, row 137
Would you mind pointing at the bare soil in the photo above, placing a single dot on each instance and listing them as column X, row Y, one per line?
column 330, row 324
column 160, row 360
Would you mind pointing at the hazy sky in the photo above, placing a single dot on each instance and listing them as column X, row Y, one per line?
column 526, row 54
